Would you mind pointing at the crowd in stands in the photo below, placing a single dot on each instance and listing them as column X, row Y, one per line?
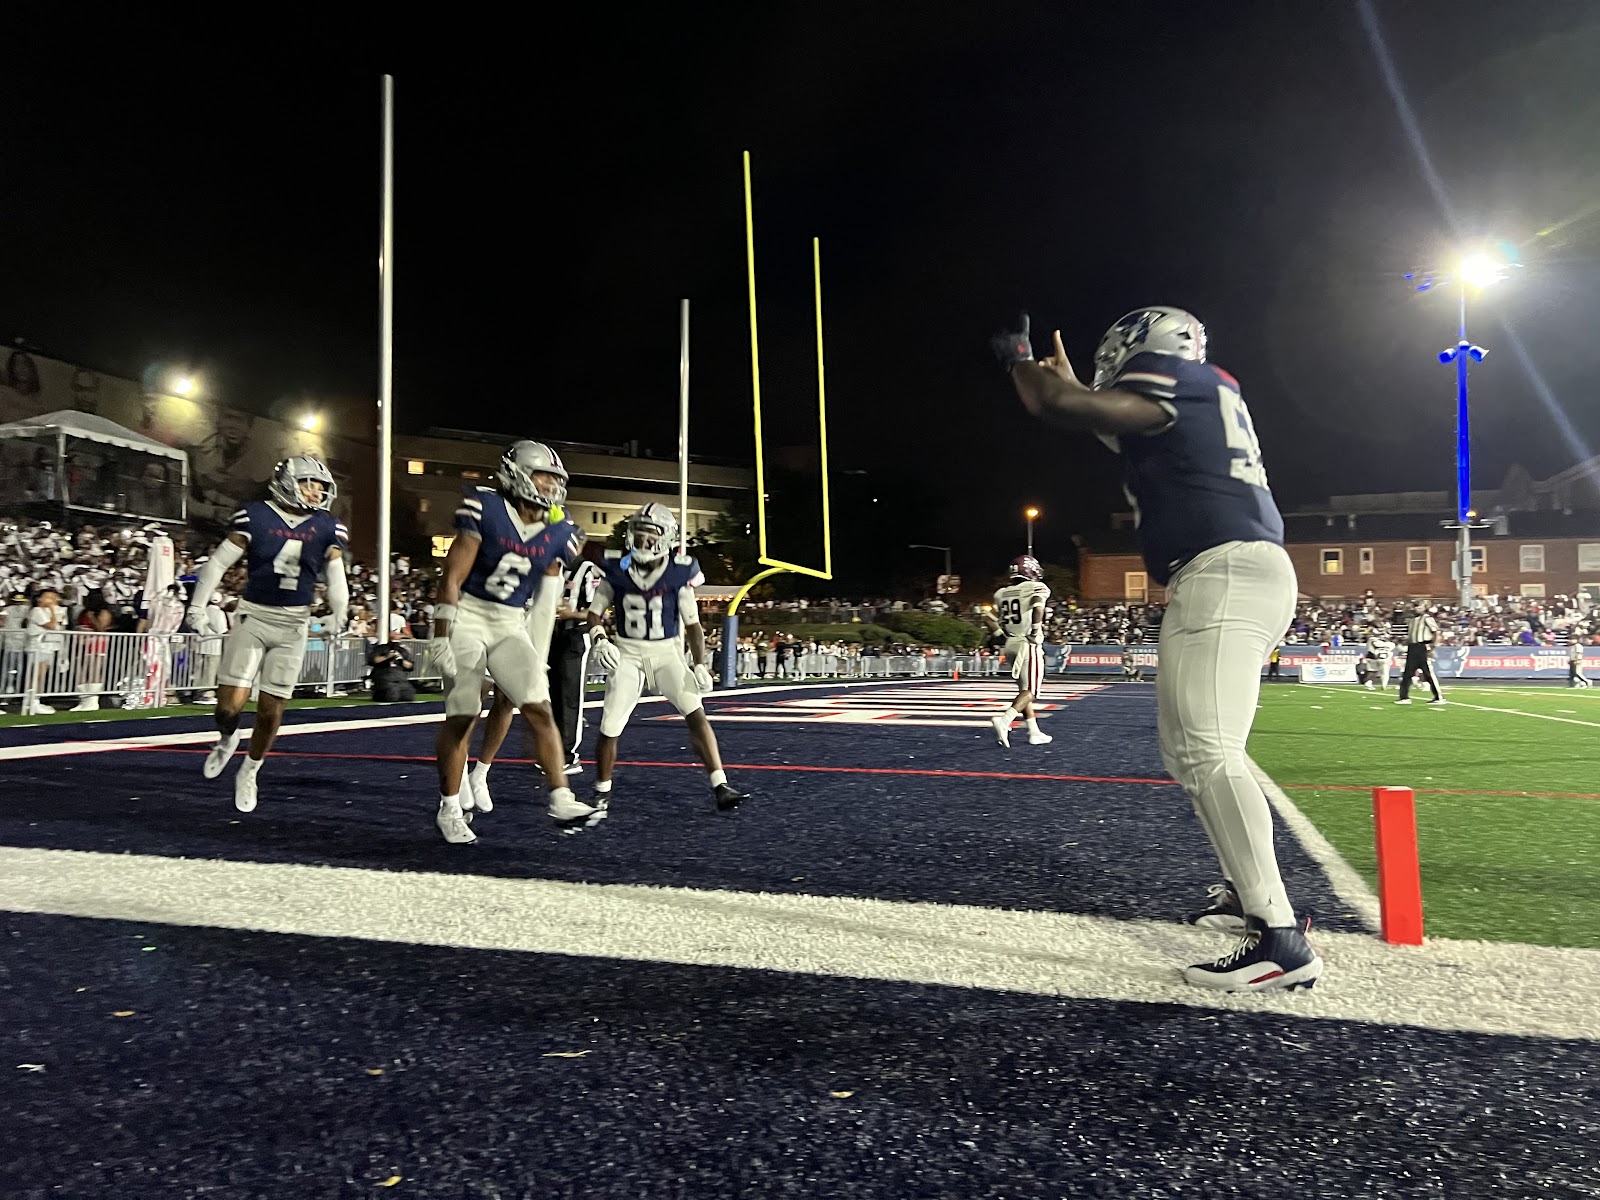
column 101, row 570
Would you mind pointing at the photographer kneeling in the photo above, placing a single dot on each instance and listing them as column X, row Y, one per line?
column 391, row 667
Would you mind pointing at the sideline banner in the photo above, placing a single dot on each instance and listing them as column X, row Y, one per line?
column 1338, row 665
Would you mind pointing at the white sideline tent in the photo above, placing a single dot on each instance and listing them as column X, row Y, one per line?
column 85, row 462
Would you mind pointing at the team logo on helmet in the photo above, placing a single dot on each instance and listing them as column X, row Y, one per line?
column 1154, row 330
column 303, row 482
column 519, row 465
column 650, row 533
column 1026, row 566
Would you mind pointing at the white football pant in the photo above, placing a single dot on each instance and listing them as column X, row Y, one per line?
column 1226, row 610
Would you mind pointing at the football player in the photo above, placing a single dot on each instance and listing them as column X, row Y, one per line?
column 1380, row 651
column 1019, row 614
column 652, row 592
column 286, row 541
column 1212, row 536
column 511, row 543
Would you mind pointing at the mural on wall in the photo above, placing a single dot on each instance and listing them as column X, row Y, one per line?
column 231, row 451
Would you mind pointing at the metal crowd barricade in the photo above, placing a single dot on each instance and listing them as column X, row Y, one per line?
column 142, row 670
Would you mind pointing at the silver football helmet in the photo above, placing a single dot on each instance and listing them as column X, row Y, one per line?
column 650, row 533
column 1154, row 330
column 518, row 466
column 292, row 480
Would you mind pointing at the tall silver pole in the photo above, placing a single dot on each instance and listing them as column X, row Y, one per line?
column 386, row 360
column 683, row 427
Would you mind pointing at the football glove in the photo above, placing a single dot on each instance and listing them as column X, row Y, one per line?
column 1012, row 346
column 443, row 656
column 702, row 678
column 606, row 654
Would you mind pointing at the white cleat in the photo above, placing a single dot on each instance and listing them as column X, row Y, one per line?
column 1405, row 701
column 1039, row 739
column 571, row 814
column 1002, row 730
column 477, row 794
column 217, row 760
column 244, row 791
column 454, row 825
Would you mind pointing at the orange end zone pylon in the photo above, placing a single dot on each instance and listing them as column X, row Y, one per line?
column 1394, row 820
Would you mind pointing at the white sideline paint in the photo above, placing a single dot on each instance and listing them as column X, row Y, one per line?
column 1345, row 880
column 1467, row 986
column 1515, row 712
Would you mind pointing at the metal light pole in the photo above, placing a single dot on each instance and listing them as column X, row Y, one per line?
column 924, row 546
column 1475, row 270
column 1030, row 514
column 1459, row 354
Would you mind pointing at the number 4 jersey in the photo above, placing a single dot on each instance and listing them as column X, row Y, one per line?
column 1199, row 482
column 653, row 604
column 512, row 557
column 286, row 552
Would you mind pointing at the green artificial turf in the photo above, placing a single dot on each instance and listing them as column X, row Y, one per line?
column 1516, row 866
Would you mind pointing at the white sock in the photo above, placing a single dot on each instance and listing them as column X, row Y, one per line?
column 480, row 770
column 560, row 794
column 718, row 778
column 1009, row 713
column 1033, row 725
column 250, row 765
column 603, row 786
column 450, row 806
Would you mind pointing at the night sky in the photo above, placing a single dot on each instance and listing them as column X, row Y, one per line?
column 959, row 162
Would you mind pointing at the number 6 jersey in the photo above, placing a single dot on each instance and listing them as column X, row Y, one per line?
column 512, row 557
column 653, row 604
column 284, row 558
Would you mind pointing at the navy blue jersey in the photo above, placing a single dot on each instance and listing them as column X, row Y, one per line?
column 1200, row 482
column 512, row 557
column 650, row 610
column 285, row 556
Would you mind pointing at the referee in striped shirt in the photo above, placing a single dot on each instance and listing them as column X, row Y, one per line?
column 569, row 658
column 1422, row 631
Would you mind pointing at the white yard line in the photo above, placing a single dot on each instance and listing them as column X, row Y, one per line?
column 290, row 729
column 1471, row 986
column 1454, row 703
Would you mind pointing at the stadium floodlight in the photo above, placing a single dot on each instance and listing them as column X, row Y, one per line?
column 311, row 422
column 1032, row 514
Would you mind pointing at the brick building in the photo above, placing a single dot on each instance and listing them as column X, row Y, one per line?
column 1543, row 540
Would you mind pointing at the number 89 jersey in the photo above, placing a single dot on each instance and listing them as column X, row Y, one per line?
column 1014, row 605
column 1200, row 482
column 285, row 553
column 512, row 557
column 653, row 605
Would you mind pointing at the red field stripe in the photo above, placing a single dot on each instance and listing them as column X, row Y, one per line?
column 800, row 767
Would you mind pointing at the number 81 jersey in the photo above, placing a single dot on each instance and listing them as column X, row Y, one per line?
column 285, row 553
column 512, row 557
column 652, row 605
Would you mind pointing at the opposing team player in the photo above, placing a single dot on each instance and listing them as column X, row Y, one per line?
column 1019, row 614
column 1212, row 536
column 1380, row 653
column 652, row 591
column 509, row 548
column 286, row 541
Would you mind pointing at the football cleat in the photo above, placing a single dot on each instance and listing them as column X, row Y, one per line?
column 729, row 797
column 1407, row 700
column 477, row 792
column 455, row 825
column 244, row 791
column 571, row 814
column 218, row 758
column 1224, row 913
column 1039, row 739
column 1002, row 730
column 1440, row 700
column 1264, row 959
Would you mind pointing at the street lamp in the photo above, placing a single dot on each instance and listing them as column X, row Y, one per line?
column 1030, row 514
column 924, row 546
column 1477, row 270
